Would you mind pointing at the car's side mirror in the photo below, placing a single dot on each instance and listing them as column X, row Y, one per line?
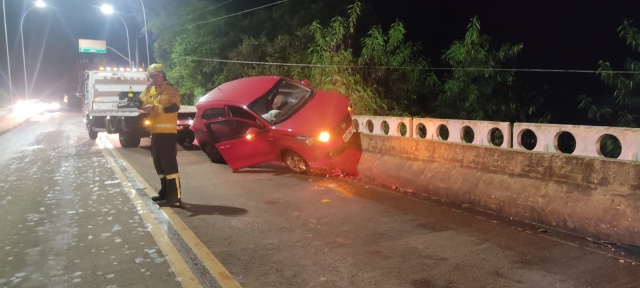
column 305, row 82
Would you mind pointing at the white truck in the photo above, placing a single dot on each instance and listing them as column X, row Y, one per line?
column 110, row 105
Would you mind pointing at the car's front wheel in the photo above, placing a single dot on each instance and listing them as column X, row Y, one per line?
column 295, row 162
column 213, row 153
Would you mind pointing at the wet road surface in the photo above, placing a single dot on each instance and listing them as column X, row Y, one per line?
column 77, row 214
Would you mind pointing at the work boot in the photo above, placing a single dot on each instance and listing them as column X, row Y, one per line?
column 173, row 195
column 163, row 190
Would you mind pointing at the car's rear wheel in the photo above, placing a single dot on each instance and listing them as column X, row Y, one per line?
column 295, row 162
column 213, row 153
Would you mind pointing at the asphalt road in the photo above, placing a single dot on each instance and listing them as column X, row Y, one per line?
column 76, row 213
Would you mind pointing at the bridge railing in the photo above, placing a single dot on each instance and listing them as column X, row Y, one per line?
column 569, row 139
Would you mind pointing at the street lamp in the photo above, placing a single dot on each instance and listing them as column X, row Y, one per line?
column 108, row 9
column 6, row 41
column 146, row 35
column 39, row 4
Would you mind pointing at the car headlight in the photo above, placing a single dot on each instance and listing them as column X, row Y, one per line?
column 324, row 137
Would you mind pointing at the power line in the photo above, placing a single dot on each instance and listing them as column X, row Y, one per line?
column 234, row 14
column 205, row 10
column 410, row 67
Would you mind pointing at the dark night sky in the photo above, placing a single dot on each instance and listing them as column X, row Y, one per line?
column 51, row 41
column 555, row 34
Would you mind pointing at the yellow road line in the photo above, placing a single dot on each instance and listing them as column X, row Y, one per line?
column 184, row 274
column 224, row 278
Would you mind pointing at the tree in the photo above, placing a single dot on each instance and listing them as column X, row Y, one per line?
column 280, row 56
column 334, row 63
column 396, row 71
column 478, row 88
column 625, row 85
column 184, row 38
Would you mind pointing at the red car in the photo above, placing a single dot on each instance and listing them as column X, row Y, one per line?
column 267, row 118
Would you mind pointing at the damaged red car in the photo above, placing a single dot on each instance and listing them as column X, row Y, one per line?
column 260, row 119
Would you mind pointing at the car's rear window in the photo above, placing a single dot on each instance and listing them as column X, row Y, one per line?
column 286, row 96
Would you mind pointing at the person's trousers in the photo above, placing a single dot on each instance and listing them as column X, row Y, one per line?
column 164, row 151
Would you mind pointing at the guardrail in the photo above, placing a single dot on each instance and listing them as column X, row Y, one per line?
column 623, row 143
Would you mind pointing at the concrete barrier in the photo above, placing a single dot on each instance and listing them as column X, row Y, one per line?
column 594, row 197
column 619, row 143
column 587, row 139
column 478, row 132
column 383, row 125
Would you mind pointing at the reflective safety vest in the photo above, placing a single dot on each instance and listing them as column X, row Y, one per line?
column 160, row 97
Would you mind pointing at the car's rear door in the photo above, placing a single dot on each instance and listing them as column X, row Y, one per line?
column 236, row 148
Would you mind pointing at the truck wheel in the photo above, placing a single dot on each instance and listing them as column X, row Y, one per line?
column 129, row 140
column 129, row 132
column 111, row 125
column 92, row 134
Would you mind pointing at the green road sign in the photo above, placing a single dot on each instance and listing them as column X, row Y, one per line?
column 93, row 50
column 92, row 46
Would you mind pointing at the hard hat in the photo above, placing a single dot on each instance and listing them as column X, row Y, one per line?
column 155, row 67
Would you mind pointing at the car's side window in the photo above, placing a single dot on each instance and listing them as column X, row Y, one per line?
column 238, row 112
column 213, row 113
column 229, row 129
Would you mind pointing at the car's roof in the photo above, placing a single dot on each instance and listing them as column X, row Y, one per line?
column 243, row 90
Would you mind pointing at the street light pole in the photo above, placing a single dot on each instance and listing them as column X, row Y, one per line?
column 39, row 3
column 108, row 9
column 6, row 41
column 128, row 47
column 146, row 34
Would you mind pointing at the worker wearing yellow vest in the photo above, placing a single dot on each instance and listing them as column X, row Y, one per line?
column 162, row 101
